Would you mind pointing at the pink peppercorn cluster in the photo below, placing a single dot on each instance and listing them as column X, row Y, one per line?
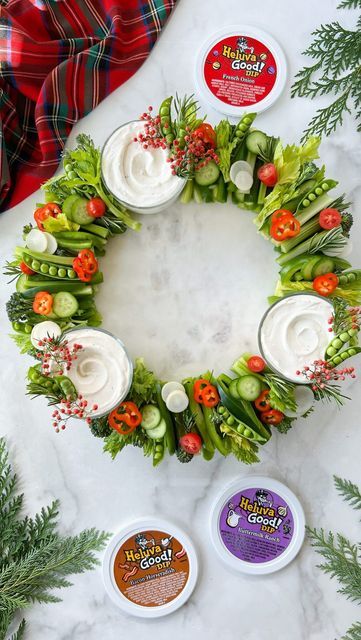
column 322, row 372
column 56, row 357
column 186, row 155
column 77, row 408
column 353, row 321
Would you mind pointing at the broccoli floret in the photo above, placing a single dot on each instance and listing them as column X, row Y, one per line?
column 100, row 427
column 346, row 223
column 19, row 309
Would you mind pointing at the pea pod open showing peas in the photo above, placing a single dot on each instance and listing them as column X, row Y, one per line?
column 243, row 126
column 158, row 451
column 51, row 266
column 351, row 277
column 166, row 126
column 338, row 343
column 240, row 427
column 341, row 356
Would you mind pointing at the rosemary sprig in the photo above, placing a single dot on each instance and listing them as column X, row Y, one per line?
column 12, row 269
column 332, row 239
column 281, row 394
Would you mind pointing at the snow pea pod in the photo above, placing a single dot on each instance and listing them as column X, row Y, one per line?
column 216, row 438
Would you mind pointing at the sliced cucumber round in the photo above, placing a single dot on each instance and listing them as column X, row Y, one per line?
column 307, row 269
column 21, row 283
column 151, row 416
column 324, row 265
column 249, row 388
column 168, row 387
column 65, row 304
column 79, row 212
column 207, row 175
column 68, row 204
column 233, row 389
column 177, row 401
column 256, row 142
column 158, row 431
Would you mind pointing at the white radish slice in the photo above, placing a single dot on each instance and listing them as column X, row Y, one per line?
column 36, row 241
column 51, row 243
column 240, row 165
column 243, row 181
column 168, row 387
column 46, row 329
column 177, row 401
column 304, row 399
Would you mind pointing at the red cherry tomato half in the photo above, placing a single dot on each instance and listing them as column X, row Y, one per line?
column 330, row 218
column 268, row 174
column 191, row 443
column 326, row 284
column 96, row 207
column 206, row 133
column 273, row 416
column 25, row 269
column 256, row 364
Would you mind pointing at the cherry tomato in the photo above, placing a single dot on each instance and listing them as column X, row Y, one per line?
column 43, row 303
column 96, row 207
column 256, row 364
column 206, row 133
column 191, row 443
column 261, row 403
column 88, row 260
column 25, row 269
column 285, row 227
column 197, row 389
column 268, row 174
column 330, row 218
column 326, row 284
column 210, row 396
column 279, row 213
column 273, row 416
column 50, row 210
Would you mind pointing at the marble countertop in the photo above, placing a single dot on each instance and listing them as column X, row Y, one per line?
column 189, row 293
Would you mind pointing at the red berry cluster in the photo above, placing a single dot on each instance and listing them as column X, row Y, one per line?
column 152, row 136
column 77, row 408
column 56, row 357
column 353, row 321
column 191, row 155
column 321, row 372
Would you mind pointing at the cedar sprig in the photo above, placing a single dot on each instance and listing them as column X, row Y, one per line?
column 336, row 69
column 34, row 558
column 349, row 491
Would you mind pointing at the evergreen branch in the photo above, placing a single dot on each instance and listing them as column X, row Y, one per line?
column 19, row 634
column 349, row 4
column 353, row 633
column 326, row 120
column 349, row 491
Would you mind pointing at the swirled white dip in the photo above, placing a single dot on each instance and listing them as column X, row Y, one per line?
column 102, row 372
column 138, row 177
column 295, row 333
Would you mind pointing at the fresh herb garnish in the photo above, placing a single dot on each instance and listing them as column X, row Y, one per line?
column 281, row 395
column 144, row 384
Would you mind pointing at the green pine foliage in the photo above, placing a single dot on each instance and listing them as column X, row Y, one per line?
column 342, row 558
column 35, row 559
column 336, row 53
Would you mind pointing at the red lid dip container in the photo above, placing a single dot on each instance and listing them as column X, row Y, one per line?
column 241, row 69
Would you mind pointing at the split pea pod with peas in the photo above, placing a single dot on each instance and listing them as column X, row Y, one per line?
column 166, row 120
column 340, row 357
column 340, row 341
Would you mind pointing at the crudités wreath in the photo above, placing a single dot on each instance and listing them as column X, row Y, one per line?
column 57, row 275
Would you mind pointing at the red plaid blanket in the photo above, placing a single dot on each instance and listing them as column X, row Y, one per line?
column 58, row 60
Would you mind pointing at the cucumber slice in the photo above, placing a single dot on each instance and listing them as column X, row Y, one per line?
column 207, row 175
column 36, row 241
column 79, row 212
column 233, row 389
column 151, row 416
column 248, row 387
column 67, row 206
column 307, row 269
column 256, row 141
column 21, row 283
column 65, row 304
column 158, row 431
column 168, row 387
column 177, row 401
column 324, row 265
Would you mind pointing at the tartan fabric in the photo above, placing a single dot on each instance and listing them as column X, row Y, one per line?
column 58, row 60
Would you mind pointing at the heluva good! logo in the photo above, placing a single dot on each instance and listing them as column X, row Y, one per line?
column 151, row 568
column 240, row 70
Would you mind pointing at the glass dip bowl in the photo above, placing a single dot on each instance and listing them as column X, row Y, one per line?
column 102, row 372
column 139, row 179
column 294, row 332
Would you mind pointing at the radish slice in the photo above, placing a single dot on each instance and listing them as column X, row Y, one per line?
column 36, row 241
column 168, row 387
column 243, row 181
column 304, row 399
column 46, row 329
column 177, row 401
column 240, row 165
column 51, row 243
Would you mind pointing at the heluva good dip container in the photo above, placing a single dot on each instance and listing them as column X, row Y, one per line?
column 150, row 568
column 257, row 525
column 240, row 69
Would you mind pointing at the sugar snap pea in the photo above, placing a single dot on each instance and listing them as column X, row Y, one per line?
column 244, row 125
column 341, row 356
column 166, row 120
column 158, row 451
column 339, row 341
column 318, row 191
column 237, row 425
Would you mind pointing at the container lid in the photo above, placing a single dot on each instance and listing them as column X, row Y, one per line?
column 257, row 525
column 150, row 568
column 241, row 69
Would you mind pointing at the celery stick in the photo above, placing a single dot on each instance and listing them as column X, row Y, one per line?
column 187, row 193
column 309, row 229
column 317, row 205
column 303, row 247
column 262, row 193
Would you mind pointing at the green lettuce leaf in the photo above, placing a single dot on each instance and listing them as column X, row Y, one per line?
column 60, row 223
column 144, row 384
